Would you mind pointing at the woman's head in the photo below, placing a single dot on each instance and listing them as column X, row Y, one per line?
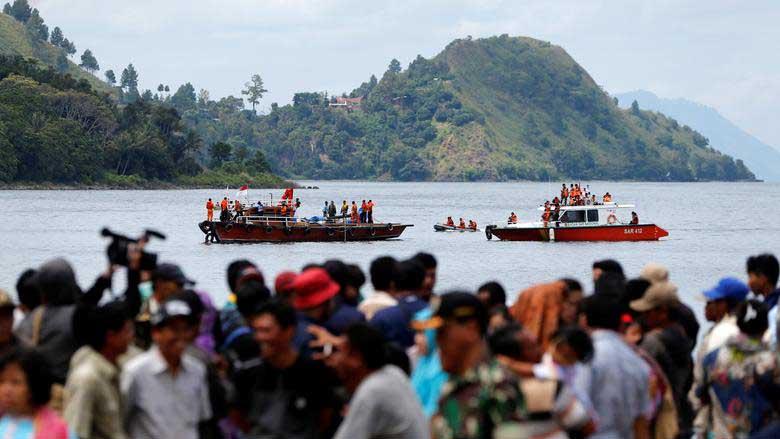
column 25, row 382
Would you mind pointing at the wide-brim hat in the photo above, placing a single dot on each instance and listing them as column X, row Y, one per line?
column 312, row 288
column 658, row 294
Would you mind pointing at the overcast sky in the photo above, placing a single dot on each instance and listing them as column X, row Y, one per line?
column 721, row 53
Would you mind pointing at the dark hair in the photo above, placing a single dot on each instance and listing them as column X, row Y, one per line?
column 92, row 324
column 572, row 285
column 765, row 264
column 411, row 275
column 370, row 343
column 635, row 289
column 193, row 300
column 752, row 318
column 383, row 271
column 337, row 270
column 610, row 284
column 282, row 312
column 234, row 269
column 356, row 277
column 250, row 296
column 36, row 370
column 427, row 260
column 57, row 283
column 27, row 289
column 602, row 311
column 577, row 339
column 396, row 355
column 504, row 341
column 609, row 266
column 496, row 293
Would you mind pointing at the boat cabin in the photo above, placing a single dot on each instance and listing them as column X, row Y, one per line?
column 599, row 214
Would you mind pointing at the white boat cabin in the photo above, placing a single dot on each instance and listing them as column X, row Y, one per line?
column 578, row 216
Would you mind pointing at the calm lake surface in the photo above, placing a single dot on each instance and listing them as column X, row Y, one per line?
column 713, row 228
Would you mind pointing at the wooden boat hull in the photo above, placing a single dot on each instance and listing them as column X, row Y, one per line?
column 227, row 233
column 614, row 233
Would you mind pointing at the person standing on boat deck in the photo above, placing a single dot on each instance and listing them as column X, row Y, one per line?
column 209, row 210
column 370, row 206
column 237, row 208
column 344, row 209
column 325, row 210
column 634, row 219
column 354, row 214
column 564, row 194
column 332, row 210
column 224, row 214
column 363, row 212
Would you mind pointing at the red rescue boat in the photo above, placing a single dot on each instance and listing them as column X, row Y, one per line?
column 600, row 222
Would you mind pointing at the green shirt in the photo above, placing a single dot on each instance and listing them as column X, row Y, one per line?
column 476, row 404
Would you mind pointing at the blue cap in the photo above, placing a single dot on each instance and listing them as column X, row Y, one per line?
column 728, row 288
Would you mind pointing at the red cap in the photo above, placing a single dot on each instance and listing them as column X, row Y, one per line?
column 284, row 282
column 312, row 288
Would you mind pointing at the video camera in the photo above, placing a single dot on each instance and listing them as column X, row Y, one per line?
column 117, row 250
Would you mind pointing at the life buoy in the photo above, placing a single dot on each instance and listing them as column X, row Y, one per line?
column 269, row 229
column 372, row 231
column 611, row 219
column 228, row 227
column 390, row 227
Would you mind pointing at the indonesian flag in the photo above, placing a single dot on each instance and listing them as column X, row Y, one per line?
column 288, row 194
column 243, row 192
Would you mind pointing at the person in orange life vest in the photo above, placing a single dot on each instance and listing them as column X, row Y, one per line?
column 607, row 198
column 370, row 215
column 209, row 210
column 450, row 222
column 472, row 225
column 462, row 224
column 237, row 209
column 283, row 209
column 556, row 201
column 634, row 219
column 363, row 211
column 224, row 204
column 512, row 218
column 564, row 194
column 354, row 214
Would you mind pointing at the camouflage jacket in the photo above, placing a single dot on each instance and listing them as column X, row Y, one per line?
column 473, row 406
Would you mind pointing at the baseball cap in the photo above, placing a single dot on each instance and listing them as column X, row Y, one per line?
column 312, row 288
column 728, row 288
column 171, row 272
column 5, row 300
column 169, row 310
column 457, row 306
column 658, row 294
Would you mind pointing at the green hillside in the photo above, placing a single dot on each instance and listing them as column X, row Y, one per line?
column 499, row 108
column 15, row 40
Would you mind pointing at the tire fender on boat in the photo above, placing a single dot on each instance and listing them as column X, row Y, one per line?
column 306, row 230
column 247, row 227
column 489, row 232
column 287, row 230
column 390, row 227
column 228, row 227
column 269, row 229
column 372, row 231
column 611, row 219
column 330, row 232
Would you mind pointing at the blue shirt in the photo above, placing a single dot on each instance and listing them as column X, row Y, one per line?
column 394, row 322
column 20, row 428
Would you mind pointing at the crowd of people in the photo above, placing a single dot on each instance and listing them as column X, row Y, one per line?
column 472, row 225
column 363, row 214
column 576, row 195
column 313, row 357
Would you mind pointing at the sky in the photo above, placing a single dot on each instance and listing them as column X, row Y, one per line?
column 721, row 53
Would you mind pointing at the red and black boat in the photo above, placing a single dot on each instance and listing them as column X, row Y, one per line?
column 580, row 223
column 279, row 223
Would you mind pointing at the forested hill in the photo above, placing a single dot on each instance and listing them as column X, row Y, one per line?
column 499, row 108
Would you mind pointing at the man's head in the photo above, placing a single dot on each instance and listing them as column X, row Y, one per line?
column 513, row 342
column 234, row 270
column 167, row 280
column 362, row 351
column 349, row 277
column 461, row 322
column 410, row 278
column 600, row 311
column 428, row 261
column 171, row 329
column 491, row 294
column 57, row 283
column 110, row 329
column 314, row 293
column 383, row 271
column 274, row 325
column 656, row 305
column 27, row 290
column 283, row 285
column 607, row 266
column 723, row 298
column 762, row 273
column 6, row 318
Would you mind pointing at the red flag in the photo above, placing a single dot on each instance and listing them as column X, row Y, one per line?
column 288, row 194
column 243, row 192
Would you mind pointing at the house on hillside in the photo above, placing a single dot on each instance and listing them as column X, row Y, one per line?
column 346, row 103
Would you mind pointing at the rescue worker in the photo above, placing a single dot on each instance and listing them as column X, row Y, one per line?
column 344, row 209
column 450, row 222
column 370, row 206
column 363, row 212
column 354, row 214
column 513, row 217
column 237, row 209
column 607, row 198
column 332, row 210
column 472, row 225
column 564, row 194
column 209, row 210
column 284, row 208
column 546, row 214
column 325, row 210
column 634, row 219
column 462, row 224
column 224, row 214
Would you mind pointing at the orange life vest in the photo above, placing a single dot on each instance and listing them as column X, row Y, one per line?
column 209, row 205
column 224, row 204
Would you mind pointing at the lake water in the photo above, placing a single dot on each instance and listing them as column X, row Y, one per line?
column 713, row 228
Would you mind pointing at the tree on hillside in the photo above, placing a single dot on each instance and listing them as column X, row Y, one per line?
column 220, row 153
column 147, row 95
column 110, row 77
column 203, row 97
column 254, row 90
column 61, row 64
column 36, row 27
column 167, row 89
column 20, row 10
column 57, row 37
column 129, row 79
column 160, row 89
column 89, row 62
column 635, row 108
column 184, row 99
column 68, row 47
column 394, row 67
